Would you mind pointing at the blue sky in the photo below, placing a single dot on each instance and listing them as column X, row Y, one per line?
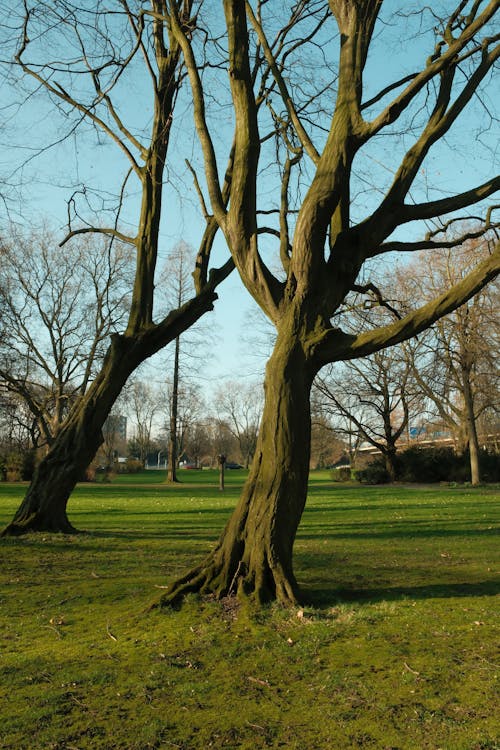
column 45, row 181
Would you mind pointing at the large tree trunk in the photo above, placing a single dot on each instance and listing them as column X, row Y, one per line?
column 254, row 553
column 44, row 506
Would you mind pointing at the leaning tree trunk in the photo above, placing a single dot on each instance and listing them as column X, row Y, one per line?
column 254, row 553
column 44, row 506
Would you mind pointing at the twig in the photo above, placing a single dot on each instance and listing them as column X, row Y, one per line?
column 265, row 683
column 82, row 705
column 78, row 702
column 256, row 726
column 231, row 589
column 56, row 630
column 108, row 631
column 489, row 663
column 413, row 671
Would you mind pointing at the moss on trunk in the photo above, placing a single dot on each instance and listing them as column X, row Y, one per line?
column 44, row 506
column 253, row 556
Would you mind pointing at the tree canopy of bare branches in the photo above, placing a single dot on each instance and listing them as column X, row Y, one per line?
column 58, row 307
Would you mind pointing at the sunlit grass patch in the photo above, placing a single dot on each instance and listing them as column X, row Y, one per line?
column 395, row 647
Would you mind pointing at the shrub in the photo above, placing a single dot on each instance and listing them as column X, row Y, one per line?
column 28, row 465
column 89, row 473
column 132, row 466
column 429, row 465
column 490, row 466
column 341, row 474
column 374, row 473
column 13, row 467
column 13, row 475
column 17, row 465
column 3, row 467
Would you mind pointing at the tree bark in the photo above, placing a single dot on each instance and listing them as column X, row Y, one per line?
column 44, row 506
column 254, row 553
column 390, row 462
column 471, row 429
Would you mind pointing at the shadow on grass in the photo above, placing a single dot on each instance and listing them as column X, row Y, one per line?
column 409, row 533
column 398, row 505
column 207, row 526
column 325, row 597
column 204, row 534
column 166, row 513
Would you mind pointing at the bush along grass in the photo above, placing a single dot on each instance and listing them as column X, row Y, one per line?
column 341, row 474
column 394, row 649
column 431, row 465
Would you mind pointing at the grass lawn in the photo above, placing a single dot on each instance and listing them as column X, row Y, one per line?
column 397, row 650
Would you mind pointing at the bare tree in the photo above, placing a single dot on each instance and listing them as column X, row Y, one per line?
column 197, row 441
column 222, row 441
column 18, row 428
column 372, row 397
column 328, row 446
column 456, row 361
column 143, row 404
column 241, row 406
column 177, row 286
column 97, row 52
column 58, row 307
column 114, row 441
column 189, row 408
column 314, row 133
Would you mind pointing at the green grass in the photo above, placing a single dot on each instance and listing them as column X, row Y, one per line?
column 397, row 649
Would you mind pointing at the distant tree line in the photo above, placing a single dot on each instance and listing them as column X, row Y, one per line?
column 58, row 306
column 441, row 387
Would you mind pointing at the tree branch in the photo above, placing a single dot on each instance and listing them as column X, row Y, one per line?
column 198, row 189
column 435, row 66
column 210, row 160
column 336, row 345
column 431, row 244
column 241, row 227
column 303, row 136
column 365, row 288
column 392, row 211
column 387, row 90
column 432, row 209
column 58, row 91
column 108, row 231
column 211, row 229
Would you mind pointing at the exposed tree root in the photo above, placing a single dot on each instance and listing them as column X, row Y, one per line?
column 34, row 523
column 261, row 586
